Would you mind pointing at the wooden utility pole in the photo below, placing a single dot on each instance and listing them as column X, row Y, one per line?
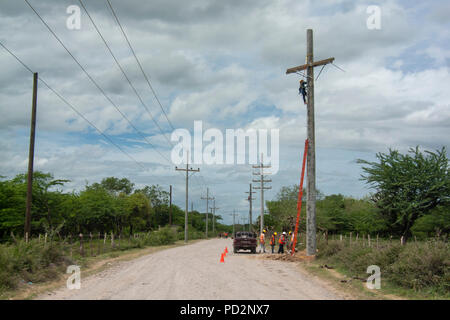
column 250, row 200
column 27, row 228
column 261, row 173
column 170, row 207
column 207, row 207
column 234, row 221
column 311, row 156
column 187, row 195
column 214, row 208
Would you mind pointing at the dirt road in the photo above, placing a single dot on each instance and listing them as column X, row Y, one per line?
column 194, row 272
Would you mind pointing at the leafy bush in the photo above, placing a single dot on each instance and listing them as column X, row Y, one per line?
column 164, row 236
column 423, row 266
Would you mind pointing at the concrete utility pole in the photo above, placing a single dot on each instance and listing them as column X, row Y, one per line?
column 170, row 207
column 261, row 173
column 207, row 207
column 311, row 156
column 214, row 208
column 250, row 200
column 187, row 193
column 27, row 228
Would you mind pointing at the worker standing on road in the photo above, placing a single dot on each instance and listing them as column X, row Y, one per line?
column 262, row 242
column 282, row 242
column 272, row 240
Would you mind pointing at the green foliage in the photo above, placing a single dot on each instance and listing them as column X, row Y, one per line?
column 408, row 186
column 116, row 185
column 30, row 262
column 416, row 265
column 437, row 222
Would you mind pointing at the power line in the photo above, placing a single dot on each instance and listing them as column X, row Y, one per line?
column 93, row 81
column 123, row 72
column 138, row 62
column 72, row 107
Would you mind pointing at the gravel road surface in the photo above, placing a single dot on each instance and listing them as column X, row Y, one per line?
column 194, row 272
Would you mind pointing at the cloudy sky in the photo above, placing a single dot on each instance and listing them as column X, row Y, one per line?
column 221, row 62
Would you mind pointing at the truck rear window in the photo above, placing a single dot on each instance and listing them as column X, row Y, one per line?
column 245, row 235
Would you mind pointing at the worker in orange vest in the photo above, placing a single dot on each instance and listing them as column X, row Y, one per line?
column 262, row 242
column 273, row 240
column 281, row 242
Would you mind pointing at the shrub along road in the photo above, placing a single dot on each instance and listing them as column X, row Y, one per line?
column 195, row 272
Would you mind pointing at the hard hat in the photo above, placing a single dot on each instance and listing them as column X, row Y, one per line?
column 284, row 232
column 275, row 233
column 264, row 230
column 290, row 232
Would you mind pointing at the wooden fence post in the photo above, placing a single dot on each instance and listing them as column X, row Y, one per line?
column 377, row 241
column 99, row 244
column 70, row 245
column 340, row 237
column 350, row 238
column 45, row 238
column 368, row 240
column 39, row 238
column 81, row 245
column 112, row 240
column 90, row 244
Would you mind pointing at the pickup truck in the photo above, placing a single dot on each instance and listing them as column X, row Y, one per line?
column 245, row 240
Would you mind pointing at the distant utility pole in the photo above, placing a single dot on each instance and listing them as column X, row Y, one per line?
column 31, row 160
column 250, row 200
column 244, row 222
column 261, row 173
column 170, row 207
column 207, row 207
column 234, row 221
column 187, row 193
column 214, row 208
column 311, row 155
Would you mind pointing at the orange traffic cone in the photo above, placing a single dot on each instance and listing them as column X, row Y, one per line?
column 226, row 250
column 221, row 258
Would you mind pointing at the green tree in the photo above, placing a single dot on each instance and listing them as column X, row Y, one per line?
column 408, row 186
column 12, row 207
column 437, row 222
column 137, row 211
column 116, row 185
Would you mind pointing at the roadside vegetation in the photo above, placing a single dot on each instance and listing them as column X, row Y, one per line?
column 402, row 227
column 406, row 218
column 103, row 219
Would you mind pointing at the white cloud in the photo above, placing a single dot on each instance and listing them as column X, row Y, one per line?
column 222, row 62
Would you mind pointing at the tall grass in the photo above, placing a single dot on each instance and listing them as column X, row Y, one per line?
column 30, row 262
column 36, row 261
column 421, row 266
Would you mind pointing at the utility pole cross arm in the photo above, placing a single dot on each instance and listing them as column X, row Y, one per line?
column 312, row 64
